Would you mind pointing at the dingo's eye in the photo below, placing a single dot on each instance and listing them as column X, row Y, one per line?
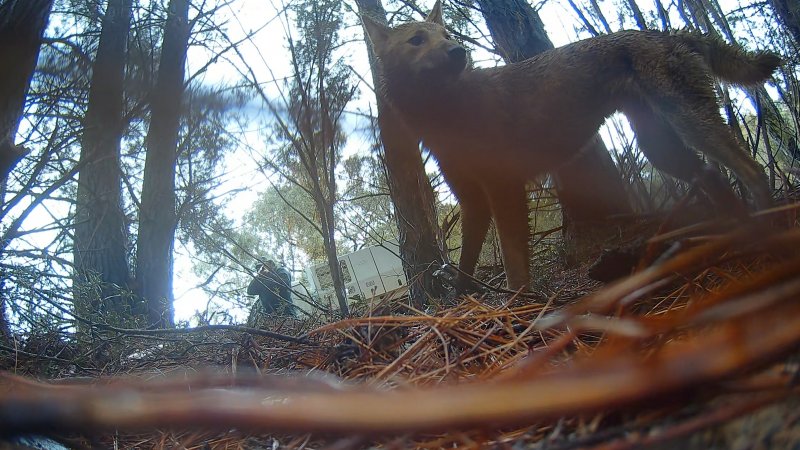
column 448, row 37
column 416, row 41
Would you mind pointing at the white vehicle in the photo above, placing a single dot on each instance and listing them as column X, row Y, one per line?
column 368, row 274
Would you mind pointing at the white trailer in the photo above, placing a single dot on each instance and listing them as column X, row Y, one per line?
column 369, row 274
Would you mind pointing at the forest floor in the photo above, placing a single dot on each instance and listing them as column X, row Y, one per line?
column 696, row 349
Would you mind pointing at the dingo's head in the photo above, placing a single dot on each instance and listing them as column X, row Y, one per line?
column 418, row 53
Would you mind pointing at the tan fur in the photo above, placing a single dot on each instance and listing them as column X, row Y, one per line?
column 491, row 130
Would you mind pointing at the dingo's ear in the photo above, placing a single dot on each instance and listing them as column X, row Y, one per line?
column 435, row 15
column 377, row 32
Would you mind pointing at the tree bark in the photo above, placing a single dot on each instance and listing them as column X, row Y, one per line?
column 788, row 12
column 641, row 23
column 22, row 24
column 100, row 226
column 325, row 210
column 157, row 216
column 589, row 187
column 5, row 329
column 421, row 246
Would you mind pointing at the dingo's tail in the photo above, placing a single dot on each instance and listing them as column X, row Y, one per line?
column 731, row 63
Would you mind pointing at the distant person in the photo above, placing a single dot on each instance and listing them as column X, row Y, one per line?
column 272, row 284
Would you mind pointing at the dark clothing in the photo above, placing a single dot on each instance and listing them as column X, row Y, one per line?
column 285, row 287
column 273, row 288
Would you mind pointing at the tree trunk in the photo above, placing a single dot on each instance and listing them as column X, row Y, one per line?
column 788, row 12
column 421, row 247
column 589, row 187
column 22, row 23
column 325, row 210
column 157, row 216
column 101, row 266
column 637, row 14
column 5, row 329
column 663, row 15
